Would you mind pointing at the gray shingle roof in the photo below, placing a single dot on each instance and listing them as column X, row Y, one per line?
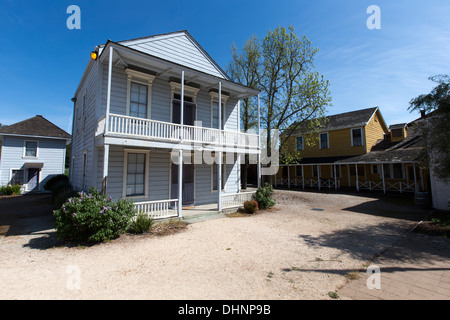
column 356, row 118
column 36, row 126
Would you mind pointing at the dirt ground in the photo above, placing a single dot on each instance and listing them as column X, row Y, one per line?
column 303, row 248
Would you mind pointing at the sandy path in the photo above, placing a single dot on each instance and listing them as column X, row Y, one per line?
column 292, row 252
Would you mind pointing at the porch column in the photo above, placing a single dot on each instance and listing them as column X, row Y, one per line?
column 335, row 178
column 180, row 183
column 382, row 175
column 219, row 182
column 422, row 186
column 182, row 108
column 108, row 92
column 348, row 174
column 415, row 178
column 318, row 176
column 105, row 168
column 289, row 176
column 357, row 181
column 259, row 145
column 303, row 178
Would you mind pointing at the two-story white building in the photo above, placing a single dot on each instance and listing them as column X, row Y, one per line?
column 33, row 151
column 144, row 106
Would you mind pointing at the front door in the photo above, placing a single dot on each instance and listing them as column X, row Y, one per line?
column 188, row 183
column 33, row 179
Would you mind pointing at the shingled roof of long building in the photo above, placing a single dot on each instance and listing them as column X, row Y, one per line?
column 356, row 118
column 36, row 126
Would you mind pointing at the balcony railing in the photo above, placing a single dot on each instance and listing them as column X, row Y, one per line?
column 171, row 132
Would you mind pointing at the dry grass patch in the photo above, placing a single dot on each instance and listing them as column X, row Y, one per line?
column 168, row 227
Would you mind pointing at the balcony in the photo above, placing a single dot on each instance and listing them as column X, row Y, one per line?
column 147, row 129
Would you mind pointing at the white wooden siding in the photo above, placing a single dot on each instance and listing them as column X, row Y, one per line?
column 177, row 48
column 82, row 139
column 440, row 193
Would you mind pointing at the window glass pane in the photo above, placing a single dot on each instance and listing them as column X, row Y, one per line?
column 357, row 137
column 17, row 177
column 323, row 141
column 135, row 174
column 215, row 176
column 215, row 123
column 299, row 143
column 138, row 100
column 30, row 149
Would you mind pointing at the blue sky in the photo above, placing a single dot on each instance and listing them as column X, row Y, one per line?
column 42, row 61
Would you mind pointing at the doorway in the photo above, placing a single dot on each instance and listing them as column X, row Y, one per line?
column 188, row 183
column 33, row 179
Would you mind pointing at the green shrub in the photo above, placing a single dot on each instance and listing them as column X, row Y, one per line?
column 250, row 206
column 10, row 189
column 264, row 197
column 93, row 217
column 140, row 224
column 63, row 194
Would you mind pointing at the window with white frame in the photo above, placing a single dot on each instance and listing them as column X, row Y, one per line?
column 299, row 143
column 357, row 139
column 139, row 86
column 138, row 100
column 30, row 149
column 17, row 177
column 323, row 141
column 136, row 174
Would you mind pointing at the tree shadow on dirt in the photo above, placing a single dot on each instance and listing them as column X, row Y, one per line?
column 391, row 207
column 366, row 243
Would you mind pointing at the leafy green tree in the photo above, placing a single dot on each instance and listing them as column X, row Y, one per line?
column 244, row 69
column 293, row 94
column 435, row 130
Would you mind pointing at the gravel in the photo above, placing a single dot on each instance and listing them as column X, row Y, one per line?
column 303, row 248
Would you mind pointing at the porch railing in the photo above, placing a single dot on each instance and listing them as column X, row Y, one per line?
column 233, row 200
column 160, row 130
column 310, row 183
column 399, row 186
column 159, row 209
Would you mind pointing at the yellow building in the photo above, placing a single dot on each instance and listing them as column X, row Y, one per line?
column 355, row 150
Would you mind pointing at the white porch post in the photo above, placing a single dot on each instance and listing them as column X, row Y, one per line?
column 219, row 165
column 108, row 107
column 182, row 107
column 303, row 178
column 289, row 176
column 318, row 176
column 335, row 178
column 348, row 174
column 180, row 183
column 357, row 182
column 382, row 175
column 415, row 178
column 108, row 92
column 219, row 182
column 259, row 145
column 105, row 168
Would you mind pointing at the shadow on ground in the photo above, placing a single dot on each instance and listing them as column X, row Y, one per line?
column 30, row 214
